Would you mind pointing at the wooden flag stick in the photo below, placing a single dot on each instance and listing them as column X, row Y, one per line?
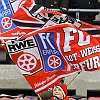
column 73, row 78
column 39, row 97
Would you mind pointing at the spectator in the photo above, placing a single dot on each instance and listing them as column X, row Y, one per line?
column 58, row 93
column 84, row 4
column 54, row 4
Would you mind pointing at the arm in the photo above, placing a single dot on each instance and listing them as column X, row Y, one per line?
column 64, row 4
column 96, row 4
column 46, row 95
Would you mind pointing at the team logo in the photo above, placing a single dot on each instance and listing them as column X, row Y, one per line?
column 27, row 62
column 54, row 61
column 6, row 23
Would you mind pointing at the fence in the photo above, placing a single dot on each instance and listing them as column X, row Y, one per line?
column 80, row 10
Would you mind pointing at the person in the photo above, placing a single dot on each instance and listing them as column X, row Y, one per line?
column 84, row 4
column 59, row 92
column 54, row 4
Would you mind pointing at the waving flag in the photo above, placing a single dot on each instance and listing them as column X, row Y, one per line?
column 33, row 17
column 47, row 55
column 47, row 45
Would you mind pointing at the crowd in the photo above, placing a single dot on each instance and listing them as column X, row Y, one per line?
column 64, row 5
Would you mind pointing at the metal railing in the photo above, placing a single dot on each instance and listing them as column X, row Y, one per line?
column 80, row 10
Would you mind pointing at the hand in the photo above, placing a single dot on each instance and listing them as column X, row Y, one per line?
column 63, row 9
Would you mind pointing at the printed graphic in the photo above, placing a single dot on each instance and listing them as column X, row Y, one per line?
column 6, row 23
column 52, row 58
column 54, row 61
column 27, row 62
column 5, row 13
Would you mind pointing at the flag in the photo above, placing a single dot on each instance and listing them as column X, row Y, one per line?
column 47, row 45
column 47, row 55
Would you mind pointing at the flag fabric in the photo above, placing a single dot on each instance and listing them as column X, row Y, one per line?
column 47, row 45
column 47, row 55
column 8, row 29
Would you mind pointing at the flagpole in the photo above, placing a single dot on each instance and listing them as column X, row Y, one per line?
column 73, row 78
column 39, row 97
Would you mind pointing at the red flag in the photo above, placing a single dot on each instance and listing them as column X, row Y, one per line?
column 46, row 52
column 47, row 55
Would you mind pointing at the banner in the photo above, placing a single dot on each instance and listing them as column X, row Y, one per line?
column 47, row 45
column 47, row 55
